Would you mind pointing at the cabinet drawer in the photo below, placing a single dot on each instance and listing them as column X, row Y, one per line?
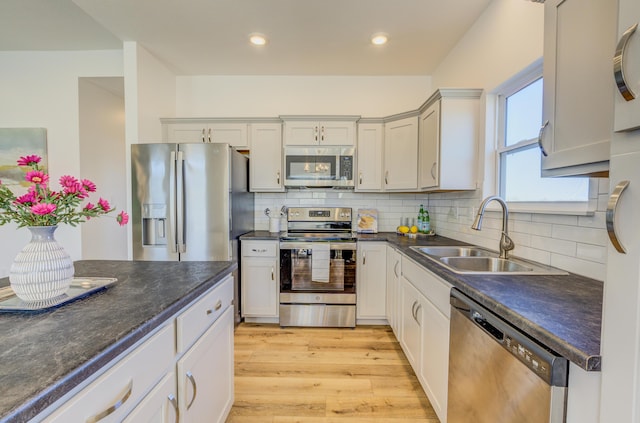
column 259, row 248
column 436, row 290
column 202, row 313
column 114, row 394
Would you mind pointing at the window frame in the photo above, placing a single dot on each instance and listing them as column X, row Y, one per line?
column 519, row 81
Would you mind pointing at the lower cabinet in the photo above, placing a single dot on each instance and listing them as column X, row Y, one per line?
column 205, row 375
column 371, row 280
column 393, row 307
column 260, row 285
column 424, row 333
column 155, row 382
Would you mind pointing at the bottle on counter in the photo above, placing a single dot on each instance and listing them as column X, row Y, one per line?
column 426, row 222
column 421, row 219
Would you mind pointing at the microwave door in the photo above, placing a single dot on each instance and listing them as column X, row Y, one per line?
column 310, row 170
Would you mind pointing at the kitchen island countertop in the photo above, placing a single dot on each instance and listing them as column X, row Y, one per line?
column 45, row 355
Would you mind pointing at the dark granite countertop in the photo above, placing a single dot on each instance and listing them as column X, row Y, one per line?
column 562, row 312
column 45, row 355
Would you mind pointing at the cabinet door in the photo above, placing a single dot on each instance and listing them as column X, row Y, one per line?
column 369, row 151
column 577, row 101
column 337, row 133
column 234, row 134
column 627, row 107
column 160, row 405
column 260, row 286
column 393, row 289
column 205, row 375
column 371, row 280
column 265, row 165
column 301, row 133
column 428, row 148
column 411, row 321
column 401, row 154
column 435, row 358
column 186, row 132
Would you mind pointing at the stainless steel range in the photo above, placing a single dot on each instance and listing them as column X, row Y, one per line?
column 318, row 268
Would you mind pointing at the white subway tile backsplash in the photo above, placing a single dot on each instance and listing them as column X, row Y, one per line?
column 559, row 219
column 552, row 245
column 582, row 267
column 591, row 252
column 580, row 234
column 541, row 229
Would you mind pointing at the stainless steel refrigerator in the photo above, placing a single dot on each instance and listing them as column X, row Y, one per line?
column 190, row 202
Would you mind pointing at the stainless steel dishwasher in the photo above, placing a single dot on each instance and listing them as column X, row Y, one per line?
column 499, row 375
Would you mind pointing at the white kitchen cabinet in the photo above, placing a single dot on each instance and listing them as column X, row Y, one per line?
column 206, row 130
column 319, row 132
column 371, row 284
column 260, row 279
column 577, row 101
column 426, row 314
column 627, row 97
column 448, row 140
column 160, row 405
column 265, row 164
column 205, row 374
column 114, row 394
column 393, row 306
column 401, row 154
column 369, row 156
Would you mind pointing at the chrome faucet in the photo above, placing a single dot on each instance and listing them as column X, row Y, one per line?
column 506, row 243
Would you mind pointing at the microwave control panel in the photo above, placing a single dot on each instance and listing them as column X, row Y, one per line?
column 346, row 167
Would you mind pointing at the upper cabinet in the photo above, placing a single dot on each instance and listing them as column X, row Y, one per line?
column 401, row 154
column 579, row 37
column 307, row 131
column 206, row 130
column 265, row 164
column 626, row 67
column 369, row 152
column 448, row 140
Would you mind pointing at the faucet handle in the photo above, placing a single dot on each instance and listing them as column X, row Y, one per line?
column 506, row 244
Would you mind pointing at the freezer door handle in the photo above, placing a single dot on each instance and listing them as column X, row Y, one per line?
column 180, row 202
column 171, row 234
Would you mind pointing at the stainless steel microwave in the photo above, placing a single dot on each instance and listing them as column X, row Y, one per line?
column 319, row 167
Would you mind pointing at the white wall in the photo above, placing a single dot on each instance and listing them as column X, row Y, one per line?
column 271, row 96
column 102, row 160
column 40, row 89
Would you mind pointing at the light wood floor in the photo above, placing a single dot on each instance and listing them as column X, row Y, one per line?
column 320, row 375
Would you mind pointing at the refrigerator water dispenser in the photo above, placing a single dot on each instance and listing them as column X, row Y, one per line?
column 154, row 228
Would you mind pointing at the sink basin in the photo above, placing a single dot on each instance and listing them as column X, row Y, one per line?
column 478, row 260
column 456, row 251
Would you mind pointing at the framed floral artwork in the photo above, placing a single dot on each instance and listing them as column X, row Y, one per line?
column 16, row 143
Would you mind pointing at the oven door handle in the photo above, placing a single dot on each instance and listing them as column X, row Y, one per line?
column 294, row 245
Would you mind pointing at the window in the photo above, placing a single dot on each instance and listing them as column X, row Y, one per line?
column 519, row 156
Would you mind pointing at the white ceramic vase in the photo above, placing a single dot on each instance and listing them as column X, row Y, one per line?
column 43, row 269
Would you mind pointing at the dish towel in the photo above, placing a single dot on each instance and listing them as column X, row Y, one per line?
column 320, row 256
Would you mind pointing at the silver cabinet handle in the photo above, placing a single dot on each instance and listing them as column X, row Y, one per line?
column 123, row 397
column 540, row 134
column 273, row 278
column 395, row 269
column 364, row 258
column 413, row 309
column 618, row 64
column 209, row 134
column 278, row 177
column 360, row 179
column 217, row 307
column 415, row 315
column 315, row 131
column 611, row 215
column 322, row 134
column 174, row 402
column 203, row 140
column 195, row 389
column 261, row 250
column 386, row 177
column 433, row 168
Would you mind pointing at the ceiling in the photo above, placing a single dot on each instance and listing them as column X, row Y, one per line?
column 210, row 37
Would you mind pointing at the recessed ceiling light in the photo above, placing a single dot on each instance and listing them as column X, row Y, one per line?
column 257, row 39
column 379, row 39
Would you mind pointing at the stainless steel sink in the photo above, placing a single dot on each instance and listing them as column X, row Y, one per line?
column 478, row 260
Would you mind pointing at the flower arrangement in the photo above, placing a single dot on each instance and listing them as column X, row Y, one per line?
column 40, row 206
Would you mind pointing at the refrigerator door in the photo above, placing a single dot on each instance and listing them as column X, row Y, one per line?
column 153, row 198
column 202, row 201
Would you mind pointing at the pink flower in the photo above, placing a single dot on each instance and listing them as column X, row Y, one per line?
column 43, row 208
column 104, row 204
column 29, row 160
column 29, row 198
column 88, row 185
column 37, row 177
column 89, row 206
column 122, row 218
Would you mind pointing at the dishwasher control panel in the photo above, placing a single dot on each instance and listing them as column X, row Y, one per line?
column 528, row 357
